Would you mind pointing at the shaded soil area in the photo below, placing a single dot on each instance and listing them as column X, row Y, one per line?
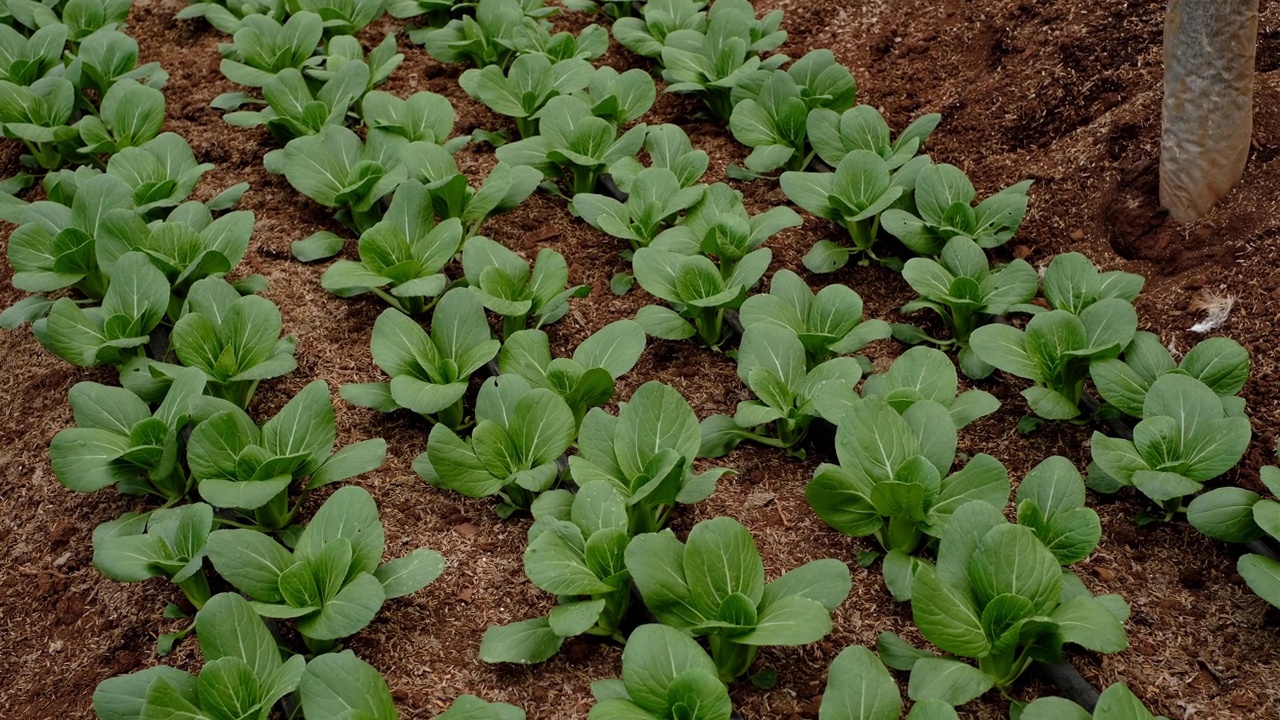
column 1063, row 91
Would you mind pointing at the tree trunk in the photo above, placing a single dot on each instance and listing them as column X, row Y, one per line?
column 1209, row 49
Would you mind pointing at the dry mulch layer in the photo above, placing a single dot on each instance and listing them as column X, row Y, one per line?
column 1066, row 92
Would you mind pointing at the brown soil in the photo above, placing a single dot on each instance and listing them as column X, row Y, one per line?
column 1063, row 91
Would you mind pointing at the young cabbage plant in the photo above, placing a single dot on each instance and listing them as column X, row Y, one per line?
column 587, row 379
column 431, row 13
column 720, row 226
column 187, row 247
column 1055, row 352
column 646, row 452
column 1237, row 515
column 924, row 373
column 345, row 50
column 242, row 669
column 263, row 46
column 574, row 144
column 1220, row 363
column 654, row 204
column 1117, row 702
column 421, row 117
column 131, row 114
column 116, row 331
column 402, row 257
column 575, row 551
column 859, row 687
column 227, row 15
column 789, row 396
column 771, row 109
column 861, row 127
column 107, row 56
column 27, row 58
column 337, row 169
column 620, row 98
column 944, row 210
column 828, row 322
column 669, row 148
column 514, row 451
column 894, row 479
column 647, row 34
column 698, row 289
column 506, row 284
column 666, row 675
column 1185, row 439
column 713, row 585
column 522, row 91
column 340, row 17
column 501, row 30
column 966, row 292
column 40, row 115
column 1072, row 282
column 999, row 596
column 341, row 685
column 251, row 469
column 294, row 110
column 234, row 340
column 161, row 173
column 711, row 61
column 54, row 246
column 451, row 195
column 1051, row 502
column 615, row 9
column 334, row 581
column 166, row 543
column 429, row 373
column 853, row 196
column 118, row 441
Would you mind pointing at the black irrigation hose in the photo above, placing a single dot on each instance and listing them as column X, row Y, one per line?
column 1071, row 684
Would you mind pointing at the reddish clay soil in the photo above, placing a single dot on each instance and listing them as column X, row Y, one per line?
column 1063, row 91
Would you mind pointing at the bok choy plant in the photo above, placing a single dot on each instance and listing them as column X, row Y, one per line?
column 510, row 287
column 251, row 469
column 668, row 147
column 943, row 201
column 1220, row 363
column 713, row 585
column 429, row 372
column 646, row 452
column 665, row 674
column 576, row 551
column 514, row 451
column 333, row 582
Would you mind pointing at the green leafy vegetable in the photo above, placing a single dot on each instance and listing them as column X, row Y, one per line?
column 1072, row 283
column 828, row 322
column 1221, row 363
column 429, row 373
column 771, row 361
column 574, row 144
column 293, row 110
column 771, row 110
column 523, row 90
column 714, row 586
column 119, row 441
column 251, row 469
column 334, row 581
column 854, row 196
column 646, row 452
column 943, row 200
column 520, row 433
column 168, row 543
column 665, row 676
column 576, row 547
column 647, row 35
column 698, row 289
column 507, row 285
column 587, row 379
column 263, row 46
column 337, row 169
column 964, row 291
column 1186, row 438
column 242, row 669
column 1117, row 702
column 654, row 204
column 401, row 257
column 924, row 373
column 892, row 481
column 998, row 596
column 668, row 147
column 862, row 127
column 1056, row 350
column 712, row 60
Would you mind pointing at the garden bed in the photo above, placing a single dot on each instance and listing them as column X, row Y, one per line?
column 1064, row 92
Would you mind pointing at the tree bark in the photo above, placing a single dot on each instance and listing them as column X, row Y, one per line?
column 1209, row 48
